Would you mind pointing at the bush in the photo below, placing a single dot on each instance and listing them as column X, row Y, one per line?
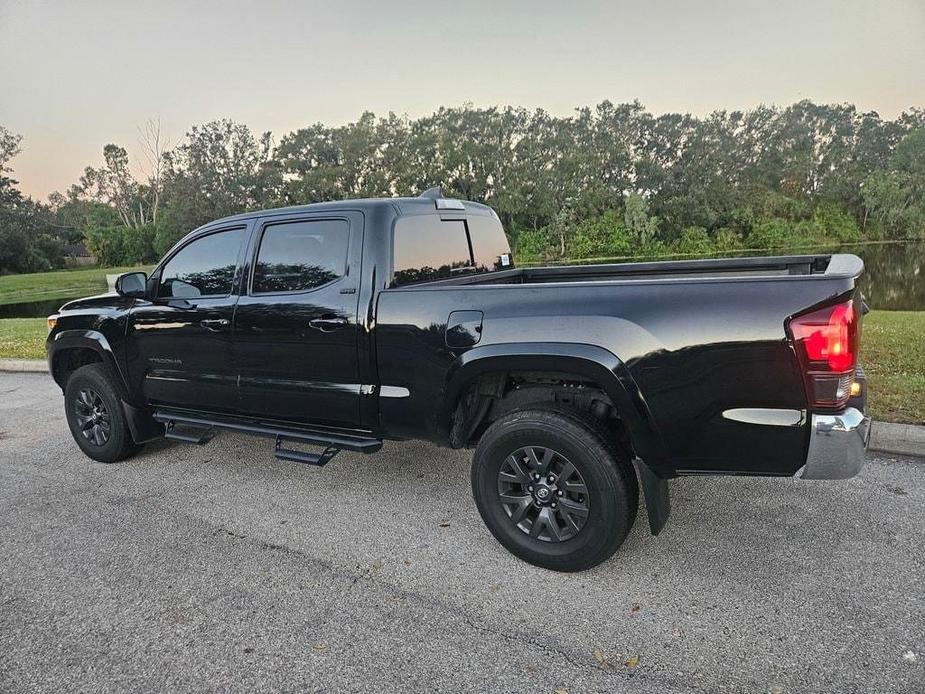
column 165, row 237
column 694, row 241
column 604, row 236
column 727, row 240
column 831, row 222
column 121, row 245
column 770, row 204
column 777, row 233
column 532, row 246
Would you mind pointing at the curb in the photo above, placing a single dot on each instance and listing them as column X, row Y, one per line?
column 885, row 437
column 901, row 439
column 24, row 365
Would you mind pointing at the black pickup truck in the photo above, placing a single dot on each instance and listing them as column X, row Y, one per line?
column 338, row 325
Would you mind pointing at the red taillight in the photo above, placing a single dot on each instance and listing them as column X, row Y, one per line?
column 827, row 342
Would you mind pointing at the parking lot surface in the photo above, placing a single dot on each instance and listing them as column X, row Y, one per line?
column 221, row 568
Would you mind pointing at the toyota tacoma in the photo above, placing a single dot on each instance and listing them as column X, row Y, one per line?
column 335, row 326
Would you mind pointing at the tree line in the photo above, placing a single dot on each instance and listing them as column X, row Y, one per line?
column 607, row 181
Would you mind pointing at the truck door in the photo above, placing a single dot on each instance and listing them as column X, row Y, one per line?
column 296, row 325
column 179, row 342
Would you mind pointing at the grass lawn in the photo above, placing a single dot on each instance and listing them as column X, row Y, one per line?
column 60, row 284
column 23, row 338
column 893, row 354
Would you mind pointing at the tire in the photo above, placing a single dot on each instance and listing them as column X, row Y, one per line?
column 95, row 415
column 590, row 526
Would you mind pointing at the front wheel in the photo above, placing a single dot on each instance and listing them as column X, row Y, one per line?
column 553, row 489
column 95, row 415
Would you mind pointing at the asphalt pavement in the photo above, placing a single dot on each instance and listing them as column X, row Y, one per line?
column 220, row 568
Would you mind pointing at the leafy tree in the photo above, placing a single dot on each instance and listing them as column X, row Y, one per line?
column 28, row 241
column 606, row 180
column 114, row 185
column 641, row 226
column 221, row 169
column 894, row 197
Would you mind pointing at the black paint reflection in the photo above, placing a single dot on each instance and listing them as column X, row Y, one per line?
column 291, row 277
column 423, row 274
column 190, row 285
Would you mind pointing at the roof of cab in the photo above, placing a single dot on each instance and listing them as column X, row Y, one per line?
column 402, row 206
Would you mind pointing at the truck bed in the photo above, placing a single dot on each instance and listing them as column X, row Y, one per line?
column 836, row 266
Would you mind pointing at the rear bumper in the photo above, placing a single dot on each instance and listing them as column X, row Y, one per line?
column 837, row 443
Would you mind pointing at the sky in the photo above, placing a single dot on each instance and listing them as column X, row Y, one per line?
column 75, row 76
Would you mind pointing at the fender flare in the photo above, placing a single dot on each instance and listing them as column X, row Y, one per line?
column 597, row 363
column 85, row 339
column 142, row 425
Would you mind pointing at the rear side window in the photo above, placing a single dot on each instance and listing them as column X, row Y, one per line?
column 204, row 267
column 489, row 244
column 297, row 256
column 427, row 248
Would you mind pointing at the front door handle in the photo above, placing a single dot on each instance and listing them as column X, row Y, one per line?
column 326, row 325
column 215, row 324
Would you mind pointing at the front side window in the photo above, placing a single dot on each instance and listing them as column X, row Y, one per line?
column 297, row 256
column 204, row 267
column 427, row 248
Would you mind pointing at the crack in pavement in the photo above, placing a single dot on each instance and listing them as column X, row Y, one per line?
column 432, row 603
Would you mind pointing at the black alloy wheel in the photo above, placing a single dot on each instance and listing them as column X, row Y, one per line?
column 95, row 414
column 543, row 494
column 553, row 487
column 92, row 416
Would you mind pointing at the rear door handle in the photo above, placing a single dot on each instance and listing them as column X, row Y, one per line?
column 326, row 325
column 215, row 324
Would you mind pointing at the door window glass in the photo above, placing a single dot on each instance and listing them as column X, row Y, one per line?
column 296, row 256
column 204, row 267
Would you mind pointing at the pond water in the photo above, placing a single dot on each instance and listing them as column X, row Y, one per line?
column 894, row 274
column 894, row 271
column 893, row 279
column 33, row 309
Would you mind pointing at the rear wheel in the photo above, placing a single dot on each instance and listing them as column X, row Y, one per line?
column 95, row 415
column 553, row 489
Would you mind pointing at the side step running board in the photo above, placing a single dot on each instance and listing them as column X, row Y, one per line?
column 304, row 457
column 198, row 435
column 190, row 428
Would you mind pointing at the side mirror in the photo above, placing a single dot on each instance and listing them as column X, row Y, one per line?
column 132, row 284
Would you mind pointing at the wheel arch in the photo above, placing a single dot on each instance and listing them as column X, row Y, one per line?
column 588, row 361
column 68, row 350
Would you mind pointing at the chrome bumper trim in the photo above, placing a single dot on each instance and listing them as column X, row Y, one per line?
column 836, row 445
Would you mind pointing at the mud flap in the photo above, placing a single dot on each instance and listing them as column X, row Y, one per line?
column 655, row 491
column 141, row 424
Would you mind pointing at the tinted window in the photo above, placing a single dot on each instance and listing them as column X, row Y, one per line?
column 204, row 267
column 489, row 243
column 296, row 256
column 427, row 248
